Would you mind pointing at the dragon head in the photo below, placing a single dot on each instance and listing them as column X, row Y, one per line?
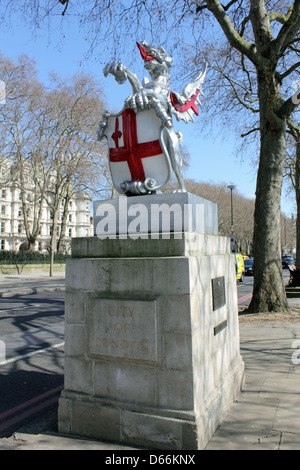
column 151, row 53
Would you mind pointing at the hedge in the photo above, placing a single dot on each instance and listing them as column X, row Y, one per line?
column 29, row 257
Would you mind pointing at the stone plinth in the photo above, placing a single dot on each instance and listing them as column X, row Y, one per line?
column 152, row 353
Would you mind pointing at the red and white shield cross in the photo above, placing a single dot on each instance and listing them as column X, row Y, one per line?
column 135, row 152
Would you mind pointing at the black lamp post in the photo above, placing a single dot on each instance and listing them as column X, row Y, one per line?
column 231, row 187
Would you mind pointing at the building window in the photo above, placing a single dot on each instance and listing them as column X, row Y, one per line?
column 2, row 244
column 40, row 246
column 2, row 210
column 2, row 227
column 70, row 217
column 3, row 193
column 19, row 228
column 19, row 212
column 70, row 232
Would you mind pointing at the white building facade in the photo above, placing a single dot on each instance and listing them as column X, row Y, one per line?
column 12, row 227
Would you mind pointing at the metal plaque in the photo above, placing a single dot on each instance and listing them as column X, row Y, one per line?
column 220, row 327
column 218, row 292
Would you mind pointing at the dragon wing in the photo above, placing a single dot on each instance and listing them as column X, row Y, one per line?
column 184, row 106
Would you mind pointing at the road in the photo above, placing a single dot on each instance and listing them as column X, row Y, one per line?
column 31, row 354
column 31, row 357
column 244, row 290
column 29, row 284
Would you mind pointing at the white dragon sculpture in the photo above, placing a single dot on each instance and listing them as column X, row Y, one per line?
column 156, row 94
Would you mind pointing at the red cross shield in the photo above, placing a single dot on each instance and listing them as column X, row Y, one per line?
column 136, row 154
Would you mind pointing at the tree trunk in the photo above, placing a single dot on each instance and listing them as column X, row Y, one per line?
column 53, row 243
column 51, row 261
column 63, row 226
column 268, row 290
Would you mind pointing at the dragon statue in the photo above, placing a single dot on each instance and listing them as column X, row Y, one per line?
column 155, row 95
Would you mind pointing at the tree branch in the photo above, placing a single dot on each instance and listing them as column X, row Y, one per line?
column 290, row 70
column 289, row 29
column 234, row 84
column 243, row 25
column 261, row 25
column 293, row 129
column 226, row 7
column 292, row 47
column 290, row 105
column 64, row 2
column 250, row 132
column 201, row 8
column 230, row 32
column 280, row 17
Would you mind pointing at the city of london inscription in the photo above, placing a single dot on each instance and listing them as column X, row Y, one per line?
column 120, row 328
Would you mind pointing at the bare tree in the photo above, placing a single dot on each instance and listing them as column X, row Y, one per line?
column 72, row 149
column 49, row 140
column 23, row 121
column 266, row 42
column 243, row 212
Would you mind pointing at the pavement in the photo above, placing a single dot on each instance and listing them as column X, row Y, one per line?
column 30, row 283
column 265, row 417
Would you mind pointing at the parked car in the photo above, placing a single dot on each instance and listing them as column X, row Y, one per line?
column 248, row 263
column 239, row 266
column 287, row 261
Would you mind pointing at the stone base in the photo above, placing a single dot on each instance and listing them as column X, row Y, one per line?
column 152, row 353
column 165, row 429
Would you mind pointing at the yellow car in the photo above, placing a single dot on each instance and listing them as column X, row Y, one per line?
column 239, row 266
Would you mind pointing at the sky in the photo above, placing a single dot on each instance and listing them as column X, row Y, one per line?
column 213, row 158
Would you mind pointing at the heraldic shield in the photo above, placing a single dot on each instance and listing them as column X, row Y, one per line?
column 138, row 156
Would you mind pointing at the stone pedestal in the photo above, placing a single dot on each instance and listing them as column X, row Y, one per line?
column 152, row 354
